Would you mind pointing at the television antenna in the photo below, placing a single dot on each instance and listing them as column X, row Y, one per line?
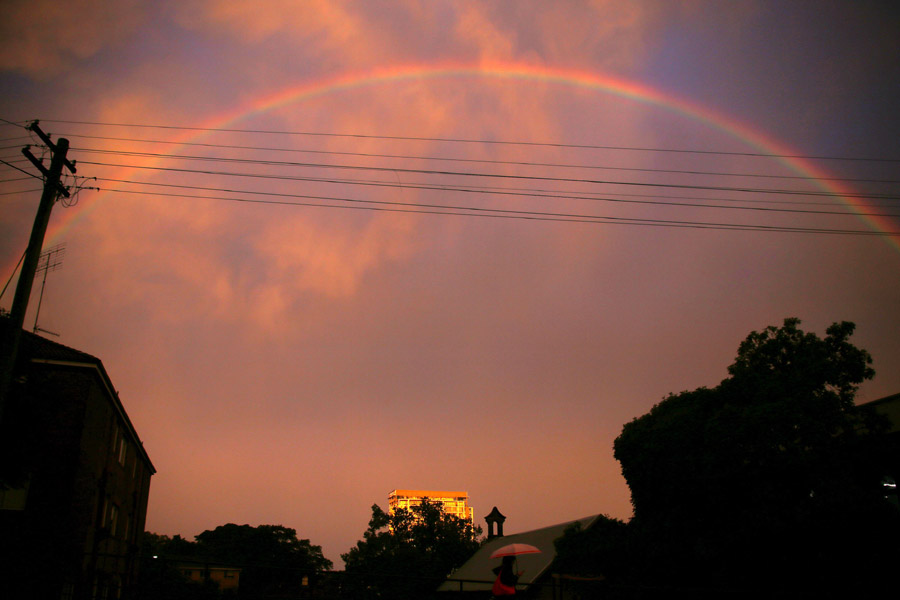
column 49, row 260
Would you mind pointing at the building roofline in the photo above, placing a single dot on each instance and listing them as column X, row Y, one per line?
column 36, row 349
column 96, row 365
column 477, row 571
column 184, row 560
column 425, row 493
column 885, row 400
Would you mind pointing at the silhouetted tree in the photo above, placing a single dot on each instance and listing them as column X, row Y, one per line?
column 600, row 550
column 158, row 576
column 408, row 553
column 156, row 545
column 272, row 559
column 768, row 477
column 273, row 562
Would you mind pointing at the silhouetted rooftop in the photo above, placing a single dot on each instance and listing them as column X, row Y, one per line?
column 480, row 567
column 35, row 348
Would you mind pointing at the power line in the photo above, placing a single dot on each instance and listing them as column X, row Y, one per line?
column 20, row 192
column 436, row 158
column 554, row 193
column 18, row 169
column 445, row 186
column 451, row 159
column 554, row 196
column 485, row 211
column 529, row 215
column 445, row 176
column 489, row 175
column 470, row 141
column 599, row 195
column 540, row 192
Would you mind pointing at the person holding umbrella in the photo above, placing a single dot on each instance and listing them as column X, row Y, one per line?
column 505, row 584
column 507, row 576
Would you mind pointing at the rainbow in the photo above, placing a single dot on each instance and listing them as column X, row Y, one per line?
column 584, row 79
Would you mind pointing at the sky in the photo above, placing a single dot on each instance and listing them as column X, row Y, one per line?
column 340, row 248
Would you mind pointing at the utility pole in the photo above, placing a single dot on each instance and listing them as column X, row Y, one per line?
column 52, row 190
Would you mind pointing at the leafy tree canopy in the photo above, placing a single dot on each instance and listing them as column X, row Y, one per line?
column 750, row 475
column 272, row 559
column 408, row 553
column 159, row 577
column 265, row 545
column 771, row 431
column 592, row 552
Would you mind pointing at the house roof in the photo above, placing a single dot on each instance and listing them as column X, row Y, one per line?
column 477, row 572
column 890, row 407
column 185, row 561
column 39, row 350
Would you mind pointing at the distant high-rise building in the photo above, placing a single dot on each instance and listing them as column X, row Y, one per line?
column 452, row 503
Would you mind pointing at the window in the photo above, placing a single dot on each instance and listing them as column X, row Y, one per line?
column 104, row 514
column 123, row 447
column 113, row 519
column 119, row 445
column 68, row 591
column 14, row 498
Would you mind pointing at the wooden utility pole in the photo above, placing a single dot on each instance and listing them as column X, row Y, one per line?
column 52, row 190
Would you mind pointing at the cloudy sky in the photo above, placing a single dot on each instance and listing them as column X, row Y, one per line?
column 340, row 248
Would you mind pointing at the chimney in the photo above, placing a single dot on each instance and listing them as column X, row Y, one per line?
column 495, row 518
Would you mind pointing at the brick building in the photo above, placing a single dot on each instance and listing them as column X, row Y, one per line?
column 74, row 479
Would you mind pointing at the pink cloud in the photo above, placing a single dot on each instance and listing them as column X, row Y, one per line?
column 43, row 37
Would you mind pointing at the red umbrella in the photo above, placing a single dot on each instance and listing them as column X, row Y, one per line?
column 514, row 550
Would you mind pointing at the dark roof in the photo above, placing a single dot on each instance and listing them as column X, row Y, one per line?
column 36, row 347
column 32, row 345
column 181, row 560
column 886, row 400
column 40, row 350
column 890, row 407
column 478, row 570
